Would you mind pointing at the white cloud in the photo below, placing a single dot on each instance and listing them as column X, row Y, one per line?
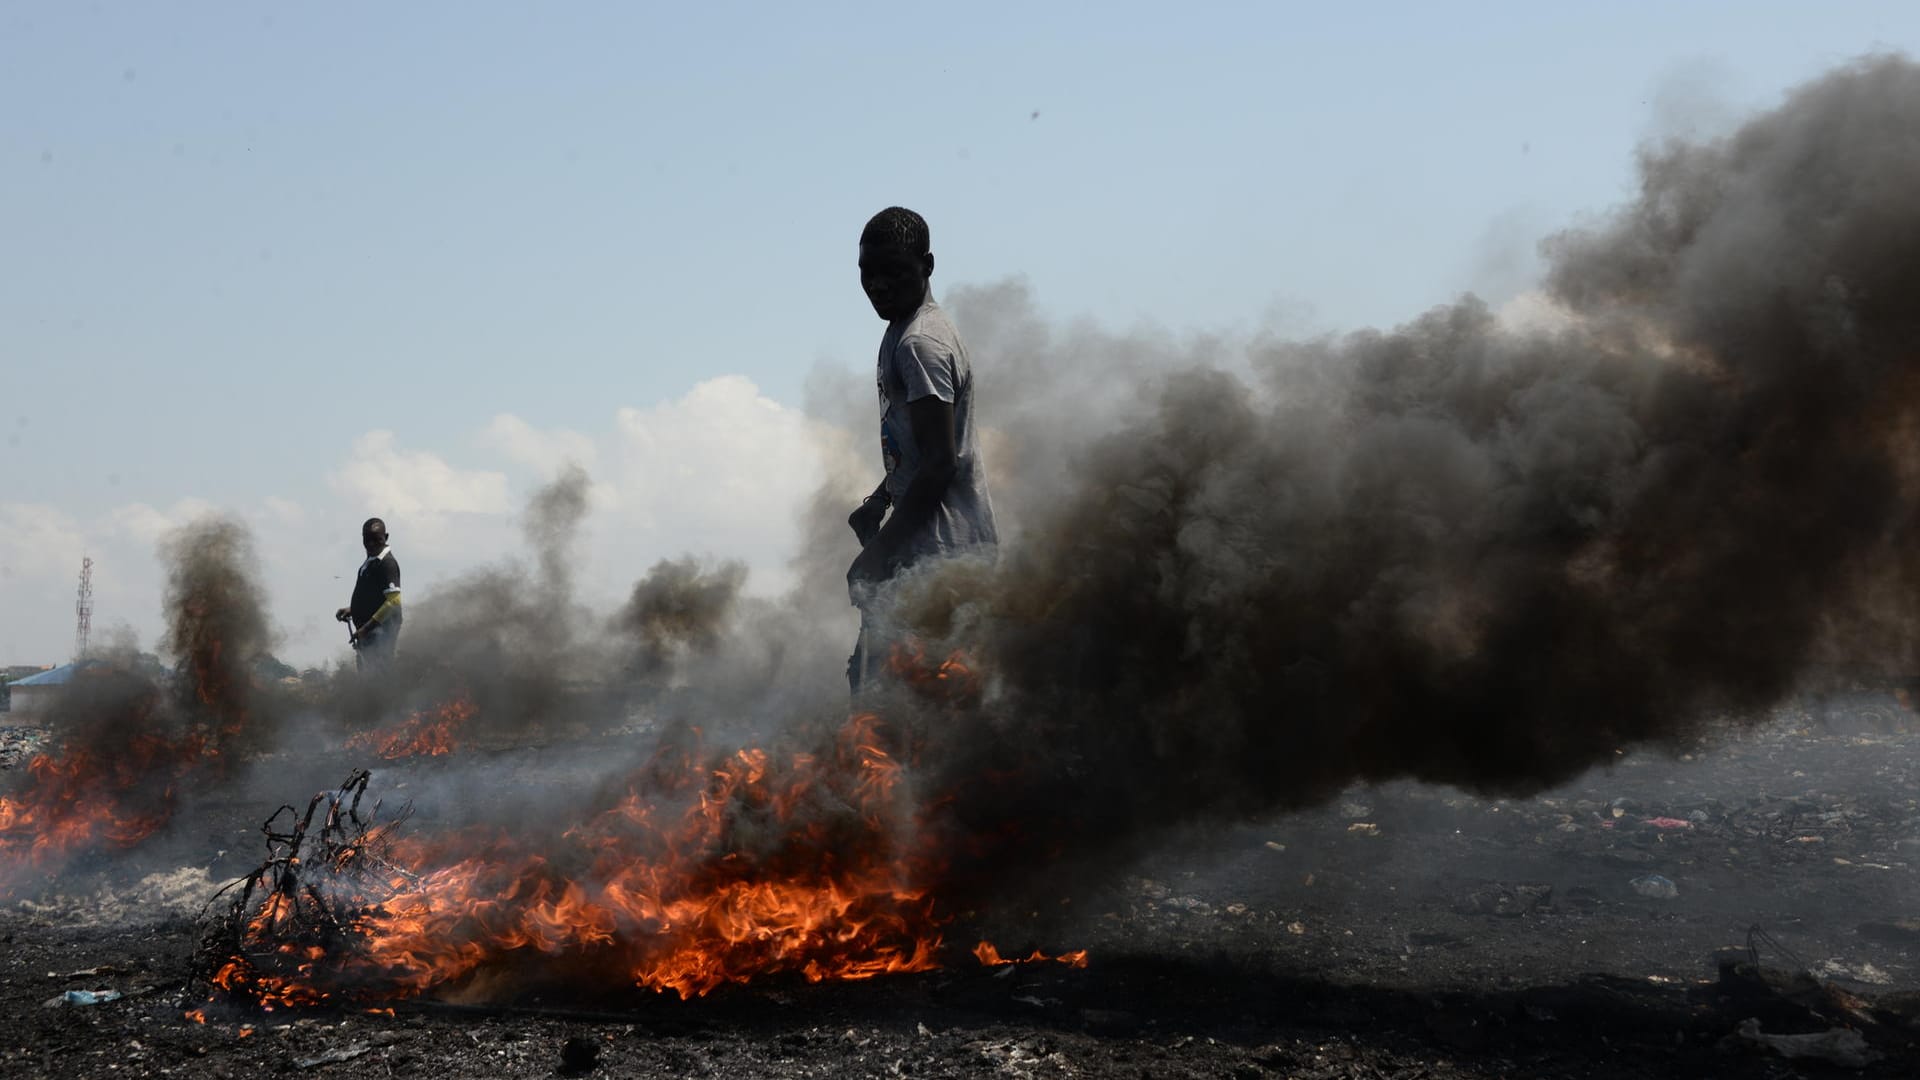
column 148, row 525
column 545, row 451
column 36, row 538
column 286, row 511
column 383, row 479
column 722, row 470
column 724, row 459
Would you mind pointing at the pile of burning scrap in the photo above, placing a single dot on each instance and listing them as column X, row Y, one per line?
column 87, row 798
column 703, row 872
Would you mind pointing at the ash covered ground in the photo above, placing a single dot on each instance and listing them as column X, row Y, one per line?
column 1400, row 930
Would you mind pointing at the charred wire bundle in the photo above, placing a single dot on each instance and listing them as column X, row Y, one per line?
column 303, row 903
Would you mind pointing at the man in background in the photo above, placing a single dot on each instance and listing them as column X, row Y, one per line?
column 374, row 612
column 933, row 500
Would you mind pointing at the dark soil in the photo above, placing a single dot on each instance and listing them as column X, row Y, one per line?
column 1402, row 931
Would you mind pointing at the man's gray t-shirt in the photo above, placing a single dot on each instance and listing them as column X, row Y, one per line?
column 921, row 356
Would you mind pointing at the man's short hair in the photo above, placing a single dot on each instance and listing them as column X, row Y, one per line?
column 374, row 527
column 901, row 226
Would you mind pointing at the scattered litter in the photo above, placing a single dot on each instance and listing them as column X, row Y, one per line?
column 1896, row 931
column 1865, row 973
column 1275, row 845
column 1496, row 898
column 1655, row 887
column 82, row 997
column 86, row 973
column 1838, row 1046
column 332, row 1057
column 1026, row 1058
column 1364, row 828
column 1669, row 823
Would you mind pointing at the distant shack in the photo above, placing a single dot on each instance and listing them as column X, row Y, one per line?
column 30, row 698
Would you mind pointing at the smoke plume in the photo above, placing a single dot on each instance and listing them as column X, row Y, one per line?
column 677, row 609
column 1464, row 552
column 216, row 620
column 130, row 739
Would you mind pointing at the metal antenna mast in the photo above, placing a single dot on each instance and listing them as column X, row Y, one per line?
column 83, row 608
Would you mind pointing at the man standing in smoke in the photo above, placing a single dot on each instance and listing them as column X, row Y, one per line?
column 374, row 611
column 935, row 483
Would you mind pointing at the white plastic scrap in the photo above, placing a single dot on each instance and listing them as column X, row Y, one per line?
column 1840, row 1046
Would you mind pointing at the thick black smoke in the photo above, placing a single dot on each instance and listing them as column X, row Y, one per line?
column 217, row 630
column 1469, row 553
column 216, row 618
column 679, row 609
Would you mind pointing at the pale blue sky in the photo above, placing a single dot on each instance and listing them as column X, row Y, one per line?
column 235, row 237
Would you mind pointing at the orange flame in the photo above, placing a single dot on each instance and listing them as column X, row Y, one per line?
column 755, row 864
column 990, row 957
column 427, row 733
column 953, row 677
column 83, row 799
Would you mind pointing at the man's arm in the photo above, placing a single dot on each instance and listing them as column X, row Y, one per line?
column 935, row 438
column 391, row 605
column 385, row 610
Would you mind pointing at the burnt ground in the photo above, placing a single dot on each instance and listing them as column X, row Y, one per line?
column 1401, row 931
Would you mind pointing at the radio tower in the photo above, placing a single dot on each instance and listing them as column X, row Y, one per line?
column 83, row 608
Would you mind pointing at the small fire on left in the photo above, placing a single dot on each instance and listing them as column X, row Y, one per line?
column 90, row 798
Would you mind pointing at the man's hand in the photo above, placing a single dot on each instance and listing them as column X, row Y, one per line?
column 866, row 519
column 342, row 615
column 870, row 568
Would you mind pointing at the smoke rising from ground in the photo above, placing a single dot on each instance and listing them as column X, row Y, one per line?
column 1462, row 552
column 216, row 624
column 676, row 609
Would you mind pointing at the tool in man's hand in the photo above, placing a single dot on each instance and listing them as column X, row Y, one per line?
column 353, row 639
